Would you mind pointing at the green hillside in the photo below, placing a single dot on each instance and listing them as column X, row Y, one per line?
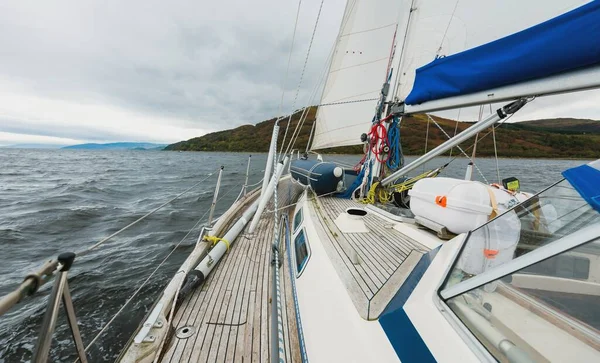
column 556, row 138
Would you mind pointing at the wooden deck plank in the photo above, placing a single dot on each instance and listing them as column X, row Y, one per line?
column 370, row 263
column 259, row 295
column 244, row 342
column 386, row 255
column 375, row 252
column 197, row 313
column 230, row 313
column 265, row 329
column 213, row 329
column 229, row 322
column 357, row 271
column 207, row 331
column 236, row 318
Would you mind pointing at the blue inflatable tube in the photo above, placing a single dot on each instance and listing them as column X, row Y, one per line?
column 322, row 177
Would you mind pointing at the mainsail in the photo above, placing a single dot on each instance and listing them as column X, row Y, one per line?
column 469, row 52
column 452, row 54
column 358, row 69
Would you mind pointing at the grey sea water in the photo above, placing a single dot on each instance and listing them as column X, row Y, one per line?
column 53, row 201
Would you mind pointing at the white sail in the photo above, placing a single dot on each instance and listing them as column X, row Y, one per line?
column 358, row 70
column 441, row 28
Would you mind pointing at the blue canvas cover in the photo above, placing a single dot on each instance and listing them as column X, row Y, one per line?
column 562, row 44
column 586, row 180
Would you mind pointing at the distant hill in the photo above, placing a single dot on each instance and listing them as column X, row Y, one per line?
column 118, row 146
column 539, row 139
column 564, row 125
column 32, row 146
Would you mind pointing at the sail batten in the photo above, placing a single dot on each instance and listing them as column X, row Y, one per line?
column 559, row 45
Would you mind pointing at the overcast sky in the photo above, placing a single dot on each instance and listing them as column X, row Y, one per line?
column 164, row 71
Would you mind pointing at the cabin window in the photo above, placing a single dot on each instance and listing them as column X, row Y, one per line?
column 301, row 252
column 569, row 267
column 527, row 284
column 298, row 218
column 508, row 315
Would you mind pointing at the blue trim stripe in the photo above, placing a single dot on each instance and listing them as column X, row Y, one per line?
column 396, row 324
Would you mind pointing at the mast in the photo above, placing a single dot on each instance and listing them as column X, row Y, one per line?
column 392, row 74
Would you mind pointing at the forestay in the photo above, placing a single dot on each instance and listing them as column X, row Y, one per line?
column 442, row 28
column 358, row 70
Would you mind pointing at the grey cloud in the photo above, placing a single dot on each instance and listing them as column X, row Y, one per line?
column 199, row 63
column 74, row 131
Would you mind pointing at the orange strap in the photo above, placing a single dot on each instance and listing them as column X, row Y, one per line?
column 490, row 254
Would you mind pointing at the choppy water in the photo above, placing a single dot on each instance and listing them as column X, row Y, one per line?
column 53, row 201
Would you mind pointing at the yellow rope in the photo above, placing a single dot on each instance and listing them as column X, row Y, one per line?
column 384, row 195
column 215, row 240
column 408, row 184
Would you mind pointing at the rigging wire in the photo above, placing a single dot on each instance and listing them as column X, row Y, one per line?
column 459, row 148
column 303, row 70
column 455, row 130
column 321, row 81
column 447, row 28
column 312, row 131
column 426, row 138
column 151, row 275
column 345, row 102
column 88, row 250
column 484, row 136
column 496, row 155
column 287, row 70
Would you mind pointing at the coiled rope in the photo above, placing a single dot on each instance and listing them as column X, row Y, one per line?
column 395, row 154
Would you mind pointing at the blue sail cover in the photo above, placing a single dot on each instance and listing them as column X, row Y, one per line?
column 586, row 180
column 562, row 44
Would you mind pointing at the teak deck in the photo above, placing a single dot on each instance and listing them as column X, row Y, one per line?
column 372, row 265
column 230, row 314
